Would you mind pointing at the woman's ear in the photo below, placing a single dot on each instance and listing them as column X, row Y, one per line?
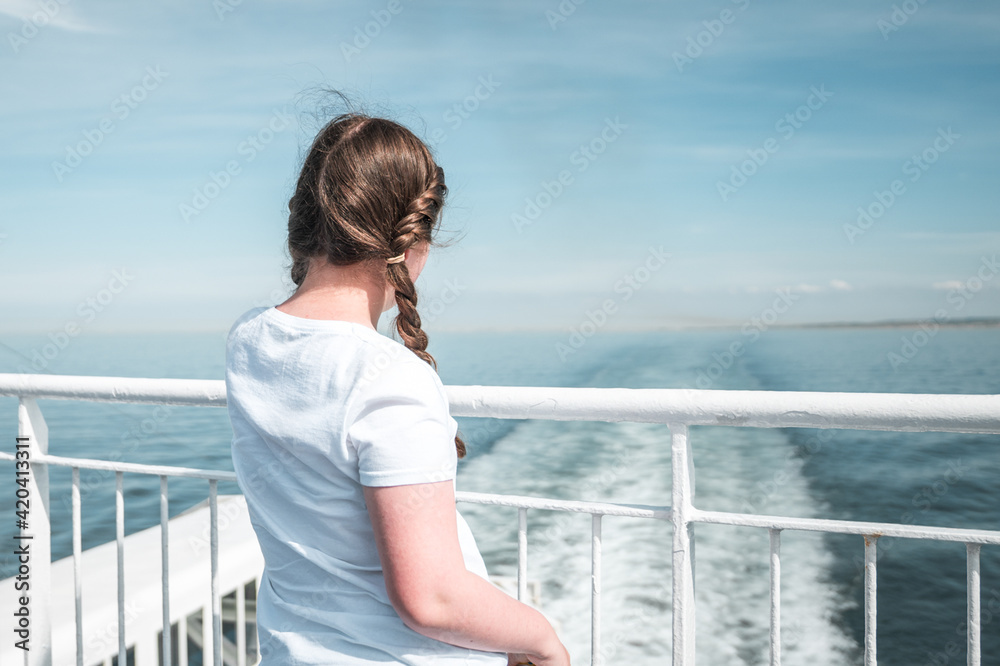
column 416, row 258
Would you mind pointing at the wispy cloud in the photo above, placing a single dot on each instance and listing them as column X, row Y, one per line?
column 55, row 15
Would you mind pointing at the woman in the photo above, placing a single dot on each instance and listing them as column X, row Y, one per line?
column 343, row 444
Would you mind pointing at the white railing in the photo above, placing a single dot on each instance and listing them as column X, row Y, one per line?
column 676, row 408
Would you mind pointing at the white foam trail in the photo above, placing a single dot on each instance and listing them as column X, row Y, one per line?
column 631, row 463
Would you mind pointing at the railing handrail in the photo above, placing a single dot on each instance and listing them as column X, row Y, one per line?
column 675, row 408
column 907, row 412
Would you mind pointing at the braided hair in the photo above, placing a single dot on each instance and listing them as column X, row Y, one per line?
column 368, row 189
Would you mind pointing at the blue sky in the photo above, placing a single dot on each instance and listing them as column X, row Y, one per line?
column 713, row 157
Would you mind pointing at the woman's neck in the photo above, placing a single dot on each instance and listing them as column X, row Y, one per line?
column 348, row 293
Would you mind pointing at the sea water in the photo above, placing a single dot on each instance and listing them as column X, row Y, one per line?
column 921, row 478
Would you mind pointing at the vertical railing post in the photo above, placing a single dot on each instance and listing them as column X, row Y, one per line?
column 596, row 658
column 77, row 557
column 166, row 655
column 213, row 506
column 522, row 554
column 35, row 535
column 120, row 547
column 241, row 625
column 871, row 592
column 974, row 605
column 775, row 539
column 683, row 546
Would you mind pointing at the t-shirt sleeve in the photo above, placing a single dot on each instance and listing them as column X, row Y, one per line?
column 402, row 429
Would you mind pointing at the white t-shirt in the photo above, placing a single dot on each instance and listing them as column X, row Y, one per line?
column 320, row 408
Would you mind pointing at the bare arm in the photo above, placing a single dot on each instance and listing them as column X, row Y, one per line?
column 417, row 539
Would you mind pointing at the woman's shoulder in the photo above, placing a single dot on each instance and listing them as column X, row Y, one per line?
column 393, row 384
column 391, row 364
column 236, row 338
column 252, row 313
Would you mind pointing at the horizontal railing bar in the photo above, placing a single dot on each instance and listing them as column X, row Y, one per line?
column 135, row 468
column 158, row 391
column 907, row 412
column 576, row 506
column 603, row 508
column 848, row 527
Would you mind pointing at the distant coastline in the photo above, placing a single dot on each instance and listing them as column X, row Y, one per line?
column 972, row 322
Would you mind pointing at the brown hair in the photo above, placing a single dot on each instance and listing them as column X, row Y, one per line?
column 368, row 189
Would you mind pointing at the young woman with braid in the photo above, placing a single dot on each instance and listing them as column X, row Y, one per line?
column 343, row 444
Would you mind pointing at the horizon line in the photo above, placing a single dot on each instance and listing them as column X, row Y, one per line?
column 966, row 322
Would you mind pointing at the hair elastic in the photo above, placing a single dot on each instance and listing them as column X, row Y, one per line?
column 395, row 260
